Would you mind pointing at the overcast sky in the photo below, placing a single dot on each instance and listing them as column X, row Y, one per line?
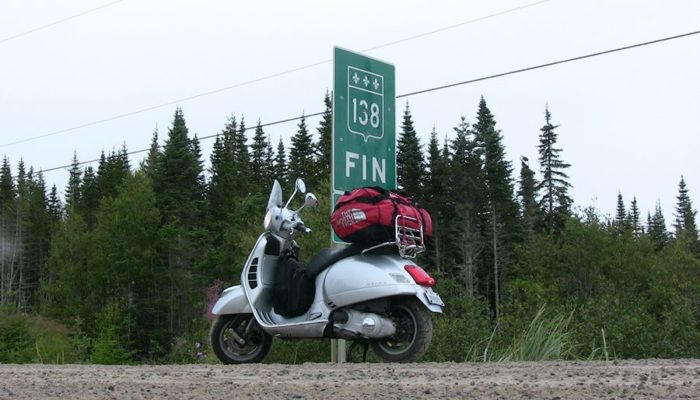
column 628, row 121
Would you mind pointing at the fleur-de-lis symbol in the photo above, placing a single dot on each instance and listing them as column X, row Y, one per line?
column 355, row 78
column 375, row 84
column 366, row 81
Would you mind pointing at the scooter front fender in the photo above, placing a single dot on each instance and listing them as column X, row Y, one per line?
column 232, row 301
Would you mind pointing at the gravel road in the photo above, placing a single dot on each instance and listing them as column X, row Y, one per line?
column 647, row 379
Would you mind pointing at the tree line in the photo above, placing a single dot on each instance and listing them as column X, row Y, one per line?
column 131, row 256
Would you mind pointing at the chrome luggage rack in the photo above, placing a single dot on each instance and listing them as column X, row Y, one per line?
column 409, row 241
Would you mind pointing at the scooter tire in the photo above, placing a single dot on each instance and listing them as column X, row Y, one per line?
column 228, row 350
column 413, row 335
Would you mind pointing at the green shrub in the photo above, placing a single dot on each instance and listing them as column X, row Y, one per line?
column 111, row 346
column 16, row 344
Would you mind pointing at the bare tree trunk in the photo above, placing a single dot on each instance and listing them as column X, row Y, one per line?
column 495, row 264
column 3, row 246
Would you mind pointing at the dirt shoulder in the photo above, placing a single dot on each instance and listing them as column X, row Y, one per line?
column 647, row 379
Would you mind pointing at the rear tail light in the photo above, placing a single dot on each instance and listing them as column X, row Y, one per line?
column 419, row 275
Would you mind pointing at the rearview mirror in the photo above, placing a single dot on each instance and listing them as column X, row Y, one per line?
column 310, row 200
column 301, row 186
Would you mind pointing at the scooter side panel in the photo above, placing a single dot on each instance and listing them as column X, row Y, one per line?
column 232, row 302
column 367, row 277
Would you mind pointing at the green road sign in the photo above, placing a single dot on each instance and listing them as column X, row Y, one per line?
column 364, row 123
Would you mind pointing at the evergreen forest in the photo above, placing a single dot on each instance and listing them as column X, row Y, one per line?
column 123, row 264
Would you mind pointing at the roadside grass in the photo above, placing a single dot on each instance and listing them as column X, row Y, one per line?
column 34, row 339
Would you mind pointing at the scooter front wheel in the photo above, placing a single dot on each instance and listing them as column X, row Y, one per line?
column 414, row 331
column 238, row 339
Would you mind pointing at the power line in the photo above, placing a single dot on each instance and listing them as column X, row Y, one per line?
column 264, row 78
column 517, row 71
column 59, row 21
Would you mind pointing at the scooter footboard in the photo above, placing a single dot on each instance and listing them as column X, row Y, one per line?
column 232, row 301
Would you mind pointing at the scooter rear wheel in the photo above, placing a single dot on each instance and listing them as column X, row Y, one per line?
column 238, row 339
column 414, row 331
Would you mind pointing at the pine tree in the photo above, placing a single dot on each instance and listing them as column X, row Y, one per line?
column 656, row 228
column 301, row 156
column 684, row 224
column 409, row 157
column 527, row 193
column 324, row 148
column 555, row 201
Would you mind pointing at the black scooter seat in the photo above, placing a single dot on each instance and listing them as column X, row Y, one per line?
column 327, row 256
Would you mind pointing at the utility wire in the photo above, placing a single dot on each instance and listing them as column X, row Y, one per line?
column 59, row 21
column 264, row 78
column 517, row 71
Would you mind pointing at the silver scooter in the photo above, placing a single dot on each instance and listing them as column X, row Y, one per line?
column 377, row 295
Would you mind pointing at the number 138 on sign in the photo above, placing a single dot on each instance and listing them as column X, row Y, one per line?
column 366, row 103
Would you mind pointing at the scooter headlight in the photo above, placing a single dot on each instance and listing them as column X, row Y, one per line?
column 267, row 222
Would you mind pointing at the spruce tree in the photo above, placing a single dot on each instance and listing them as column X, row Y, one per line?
column 656, row 228
column 223, row 188
column 502, row 226
column 620, row 214
column 260, row 160
column 241, row 157
column 90, row 199
column 7, row 185
column 281, row 170
column 179, row 188
column 39, row 231
column 634, row 219
column 409, row 157
column 72, row 194
column 111, row 171
column 54, row 205
column 301, row 156
column 527, row 193
column 150, row 163
column 435, row 197
column 324, row 148
column 465, row 208
column 555, row 202
column 179, row 181
column 684, row 224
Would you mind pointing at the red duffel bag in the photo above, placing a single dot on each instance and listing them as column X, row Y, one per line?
column 368, row 215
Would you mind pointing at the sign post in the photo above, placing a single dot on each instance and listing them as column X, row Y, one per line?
column 364, row 132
